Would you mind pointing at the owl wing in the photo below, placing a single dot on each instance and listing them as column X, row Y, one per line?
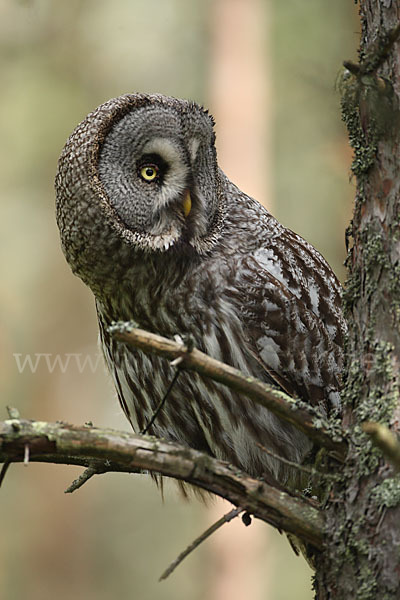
column 290, row 309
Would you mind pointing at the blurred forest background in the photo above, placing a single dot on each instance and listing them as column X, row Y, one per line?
column 267, row 71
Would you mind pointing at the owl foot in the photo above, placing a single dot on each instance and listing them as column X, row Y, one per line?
column 187, row 340
column 122, row 327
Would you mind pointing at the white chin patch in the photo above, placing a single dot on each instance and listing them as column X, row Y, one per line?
column 165, row 241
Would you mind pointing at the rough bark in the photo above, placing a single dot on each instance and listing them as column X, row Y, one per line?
column 362, row 544
column 104, row 450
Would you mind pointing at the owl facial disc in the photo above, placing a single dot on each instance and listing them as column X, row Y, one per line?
column 157, row 167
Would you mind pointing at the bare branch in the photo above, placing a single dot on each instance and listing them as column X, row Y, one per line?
column 161, row 403
column 13, row 412
column 4, row 470
column 385, row 440
column 121, row 451
column 296, row 412
column 196, row 543
column 83, row 478
column 285, row 461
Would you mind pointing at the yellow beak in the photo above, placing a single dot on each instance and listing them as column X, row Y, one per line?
column 187, row 203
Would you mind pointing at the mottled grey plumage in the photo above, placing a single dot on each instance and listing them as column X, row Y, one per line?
column 250, row 292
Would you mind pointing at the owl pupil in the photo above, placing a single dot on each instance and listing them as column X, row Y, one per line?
column 149, row 171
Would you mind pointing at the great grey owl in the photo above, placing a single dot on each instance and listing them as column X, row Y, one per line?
column 162, row 237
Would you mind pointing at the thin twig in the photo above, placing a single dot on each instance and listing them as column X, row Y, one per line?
column 196, row 543
column 83, row 478
column 13, row 413
column 4, row 470
column 386, row 440
column 161, row 403
column 311, row 471
column 285, row 461
column 26, row 455
column 296, row 412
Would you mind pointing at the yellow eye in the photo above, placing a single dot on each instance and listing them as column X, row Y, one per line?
column 149, row 172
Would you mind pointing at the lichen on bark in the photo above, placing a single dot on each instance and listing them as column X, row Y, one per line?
column 363, row 510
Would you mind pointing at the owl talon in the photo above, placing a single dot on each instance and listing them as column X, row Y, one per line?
column 187, row 340
column 122, row 327
column 176, row 362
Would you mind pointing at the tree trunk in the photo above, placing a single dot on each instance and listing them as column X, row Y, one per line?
column 362, row 557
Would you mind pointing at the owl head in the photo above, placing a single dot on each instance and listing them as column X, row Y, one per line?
column 141, row 171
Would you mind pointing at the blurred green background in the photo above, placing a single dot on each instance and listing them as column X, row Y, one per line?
column 280, row 113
